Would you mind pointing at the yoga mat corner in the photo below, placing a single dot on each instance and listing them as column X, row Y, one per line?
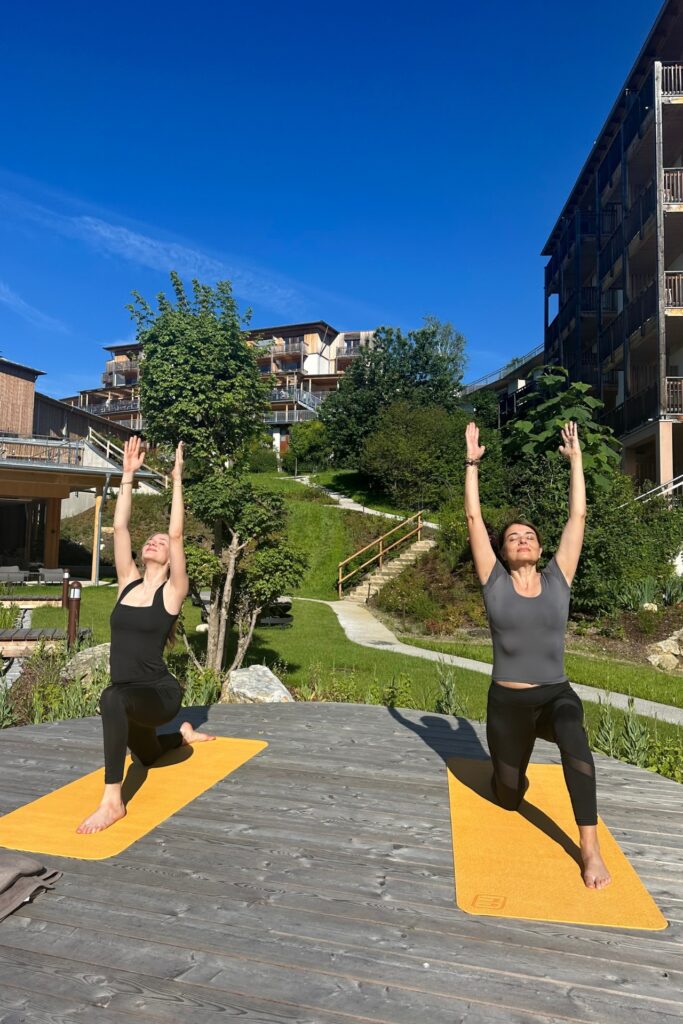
column 48, row 825
column 525, row 864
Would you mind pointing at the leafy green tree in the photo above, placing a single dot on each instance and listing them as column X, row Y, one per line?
column 309, row 448
column 534, row 434
column 201, row 384
column 424, row 367
column 200, row 381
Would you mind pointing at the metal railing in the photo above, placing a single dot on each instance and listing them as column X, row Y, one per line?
column 504, row 371
column 295, row 395
column 660, row 490
column 672, row 79
column 114, row 453
column 290, row 416
column 296, row 348
column 383, row 549
column 673, row 284
column 349, row 351
column 110, row 407
column 642, row 309
column 121, row 365
column 41, row 450
column 673, row 185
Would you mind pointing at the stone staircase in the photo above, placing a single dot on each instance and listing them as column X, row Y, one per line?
column 373, row 583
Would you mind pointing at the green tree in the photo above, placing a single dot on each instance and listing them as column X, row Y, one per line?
column 201, row 384
column 309, row 448
column 424, row 367
column 535, row 432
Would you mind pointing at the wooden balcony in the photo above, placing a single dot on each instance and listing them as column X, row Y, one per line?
column 673, row 396
column 672, row 80
column 673, row 185
column 674, row 290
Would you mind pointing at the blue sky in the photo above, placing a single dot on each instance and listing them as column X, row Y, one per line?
column 365, row 164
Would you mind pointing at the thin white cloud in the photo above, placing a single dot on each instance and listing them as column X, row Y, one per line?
column 27, row 312
column 158, row 254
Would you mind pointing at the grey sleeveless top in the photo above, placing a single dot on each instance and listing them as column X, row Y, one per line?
column 528, row 632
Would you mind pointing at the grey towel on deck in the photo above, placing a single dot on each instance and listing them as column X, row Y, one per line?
column 21, row 877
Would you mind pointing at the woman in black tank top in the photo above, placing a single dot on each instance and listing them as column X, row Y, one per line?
column 143, row 694
column 530, row 695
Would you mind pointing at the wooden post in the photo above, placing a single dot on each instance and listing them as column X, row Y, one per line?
column 65, row 589
column 74, row 613
column 52, row 526
column 339, row 582
column 419, row 526
column 95, row 563
column 381, row 552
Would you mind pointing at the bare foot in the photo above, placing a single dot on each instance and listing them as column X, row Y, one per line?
column 595, row 873
column 191, row 735
column 105, row 815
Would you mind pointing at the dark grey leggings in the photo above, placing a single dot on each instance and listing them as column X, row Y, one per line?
column 515, row 718
column 130, row 714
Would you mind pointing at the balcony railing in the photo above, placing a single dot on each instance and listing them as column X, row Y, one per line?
column 106, row 408
column 672, row 79
column 121, row 365
column 611, row 251
column 295, row 395
column 673, row 283
column 592, row 296
column 632, row 413
column 640, row 212
column 642, row 309
column 673, row 185
column 41, row 450
column 290, row 416
column 348, row 351
column 673, row 397
column 296, row 348
column 507, row 370
column 612, row 336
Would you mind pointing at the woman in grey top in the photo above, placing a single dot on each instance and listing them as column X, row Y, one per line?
column 530, row 695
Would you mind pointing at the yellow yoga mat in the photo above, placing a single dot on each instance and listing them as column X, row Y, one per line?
column 526, row 863
column 151, row 795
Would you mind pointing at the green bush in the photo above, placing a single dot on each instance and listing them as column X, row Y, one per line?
column 9, row 616
column 41, row 694
column 309, row 448
column 263, row 458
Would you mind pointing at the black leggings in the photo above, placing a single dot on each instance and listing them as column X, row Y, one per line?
column 130, row 714
column 514, row 718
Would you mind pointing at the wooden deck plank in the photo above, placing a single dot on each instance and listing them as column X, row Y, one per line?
column 316, row 882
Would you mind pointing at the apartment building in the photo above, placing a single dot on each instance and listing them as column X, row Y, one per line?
column 306, row 360
column 117, row 399
column 614, row 276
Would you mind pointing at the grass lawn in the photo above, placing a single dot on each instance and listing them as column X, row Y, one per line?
column 316, row 660
column 617, row 676
column 354, row 485
column 96, row 606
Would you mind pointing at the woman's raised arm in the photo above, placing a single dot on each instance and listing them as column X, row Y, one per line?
column 569, row 549
column 482, row 553
column 126, row 569
column 178, row 584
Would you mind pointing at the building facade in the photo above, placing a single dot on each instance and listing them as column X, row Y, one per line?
column 306, row 361
column 614, row 276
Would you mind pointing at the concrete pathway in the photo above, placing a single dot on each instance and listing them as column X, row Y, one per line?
column 355, row 506
column 361, row 627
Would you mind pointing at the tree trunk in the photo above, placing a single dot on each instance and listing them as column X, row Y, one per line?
column 214, row 607
column 226, row 598
column 242, row 648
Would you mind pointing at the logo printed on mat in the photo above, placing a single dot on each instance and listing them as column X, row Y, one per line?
column 485, row 901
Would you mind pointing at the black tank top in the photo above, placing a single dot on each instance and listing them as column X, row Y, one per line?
column 138, row 636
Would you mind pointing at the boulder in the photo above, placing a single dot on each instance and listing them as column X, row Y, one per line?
column 668, row 646
column 667, row 662
column 256, row 685
column 87, row 662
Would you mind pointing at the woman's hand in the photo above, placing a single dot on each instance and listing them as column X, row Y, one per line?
column 570, row 447
column 177, row 471
column 133, row 455
column 474, row 449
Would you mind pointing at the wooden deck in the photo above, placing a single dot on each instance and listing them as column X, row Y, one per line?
column 21, row 643
column 316, row 885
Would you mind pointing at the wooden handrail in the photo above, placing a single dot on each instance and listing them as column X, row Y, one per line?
column 379, row 557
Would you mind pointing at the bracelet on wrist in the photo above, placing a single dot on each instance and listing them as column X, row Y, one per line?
column 472, row 462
